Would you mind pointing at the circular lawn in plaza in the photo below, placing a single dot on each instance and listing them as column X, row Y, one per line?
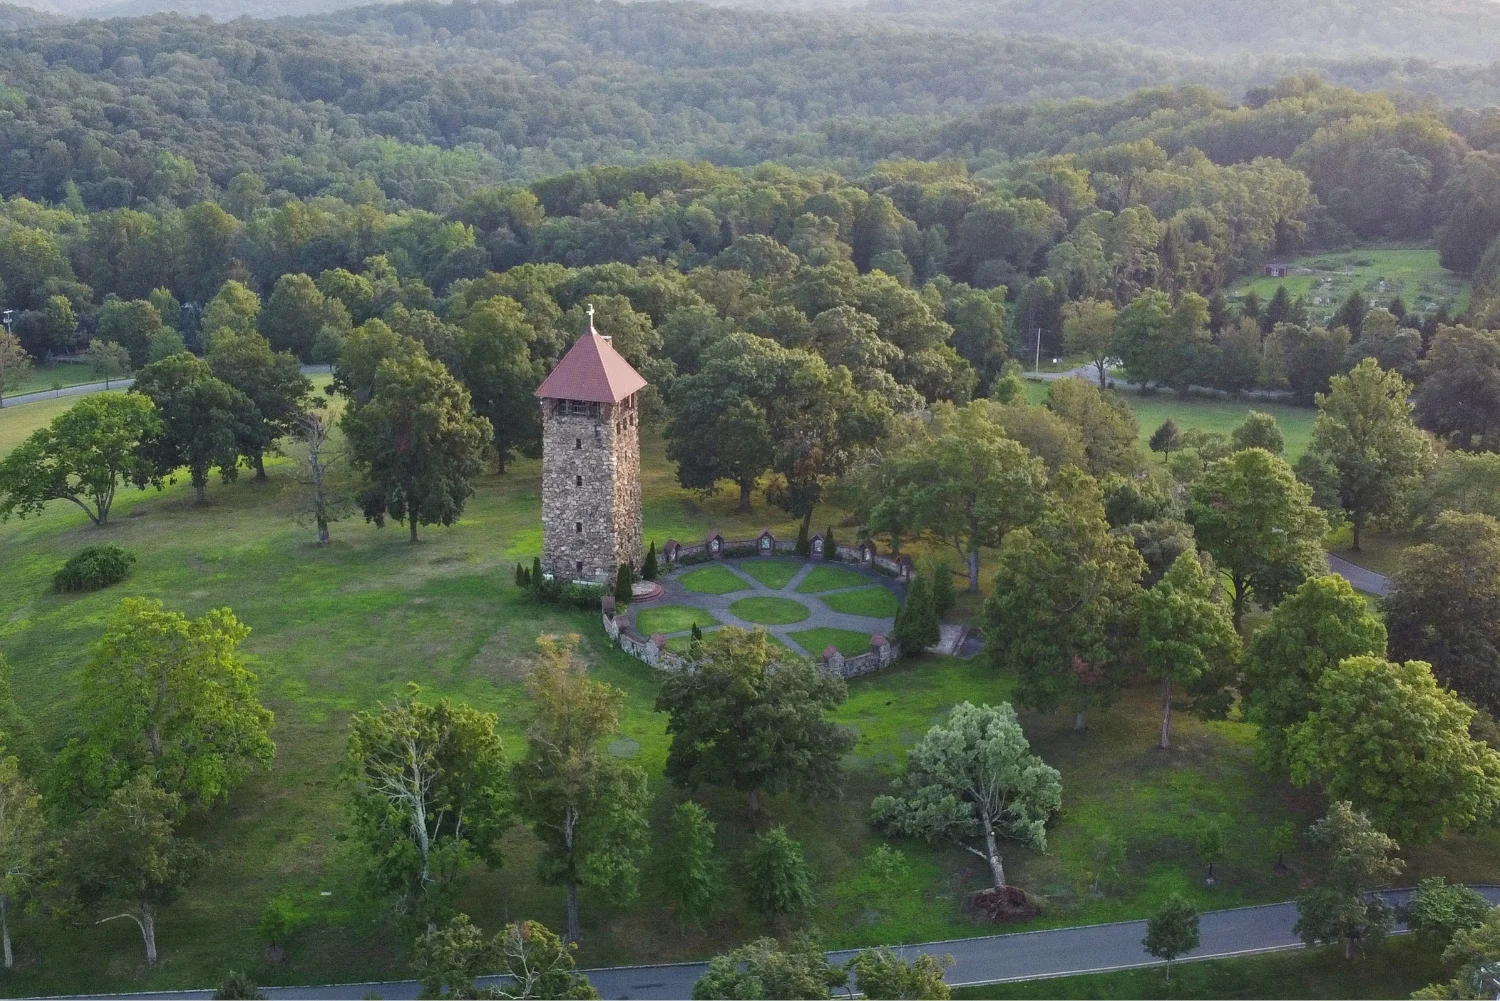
column 770, row 611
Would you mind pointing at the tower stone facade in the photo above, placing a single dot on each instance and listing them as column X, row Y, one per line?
column 591, row 462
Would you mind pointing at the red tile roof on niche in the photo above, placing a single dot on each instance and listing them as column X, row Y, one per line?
column 592, row 370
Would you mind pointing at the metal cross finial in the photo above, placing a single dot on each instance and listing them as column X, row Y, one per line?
column 591, row 314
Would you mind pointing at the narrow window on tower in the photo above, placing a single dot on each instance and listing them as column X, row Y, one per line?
column 578, row 527
column 577, row 442
column 580, row 566
column 578, row 481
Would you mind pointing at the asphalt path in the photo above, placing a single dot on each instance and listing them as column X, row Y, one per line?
column 992, row 959
column 114, row 384
column 1364, row 580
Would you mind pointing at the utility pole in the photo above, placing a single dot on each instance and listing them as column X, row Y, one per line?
column 1037, row 365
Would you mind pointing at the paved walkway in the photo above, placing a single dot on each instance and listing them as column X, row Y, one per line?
column 1056, row 952
column 820, row 617
column 1364, row 580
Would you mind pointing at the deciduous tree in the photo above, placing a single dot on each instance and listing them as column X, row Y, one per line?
column 15, row 363
column 1385, row 737
column 126, row 853
column 588, row 808
column 1444, row 605
column 417, row 443
column 1065, row 594
column 778, row 877
column 169, row 697
column 205, row 422
column 1322, row 623
column 428, row 791
column 1359, row 859
column 1172, row 931
column 272, row 381
column 762, row 970
column 83, row 456
column 745, row 717
column 881, row 973
column 1257, row 521
column 973, row 778
column 1186, row 632
column 24, row 843
column 1365, row 431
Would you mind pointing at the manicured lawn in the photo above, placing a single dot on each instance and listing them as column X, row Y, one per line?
column 17, row 423
column 672, row 619
column 770, row 611
column 829, row 578
column 1392, row 969
column 771, row 573
column 57, row 374
column 1223, row 416
column 876, row 602
column 845, row 641
column 713, row 580
column 338, row 630
column 1378, row 551
column 1378, row 271
column 680, row 644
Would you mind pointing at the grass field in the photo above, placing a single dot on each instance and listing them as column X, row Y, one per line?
column 1207, row 414
column 713, row 580
column 1392, row 969
column 827, row 578
column 769, row 611
column 845, row 641
column 876, row 602
column 339, row 629
column 54, row 374
column 1378, row 271
column 672, row 619
column 771, row 573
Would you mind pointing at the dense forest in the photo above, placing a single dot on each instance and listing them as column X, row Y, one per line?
column 1442, row 30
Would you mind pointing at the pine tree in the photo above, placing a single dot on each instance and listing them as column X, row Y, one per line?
column 520, row 576
column 649, row 568
column 917, row 621
column 623, row 580
column 943, row 596
column 830, row 547
column 691, row 869
column 779, row 880
column 536, row 570
column 697, row 634
column 804, row 547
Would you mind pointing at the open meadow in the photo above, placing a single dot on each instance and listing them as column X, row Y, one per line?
column 1379, row 272
column 339, row 629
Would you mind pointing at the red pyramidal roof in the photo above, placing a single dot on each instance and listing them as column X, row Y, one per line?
column 592, row 370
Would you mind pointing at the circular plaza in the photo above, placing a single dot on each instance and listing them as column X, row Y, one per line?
column 805, row 605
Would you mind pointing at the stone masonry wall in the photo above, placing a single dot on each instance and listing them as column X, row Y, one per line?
column 591, row 492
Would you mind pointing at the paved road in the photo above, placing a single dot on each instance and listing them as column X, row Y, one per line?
column 1364, row 580
column 820, row 615
column 989, row 960
column 99, row 387
column 52, row 394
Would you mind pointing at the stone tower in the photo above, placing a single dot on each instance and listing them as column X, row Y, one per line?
column 591, row 462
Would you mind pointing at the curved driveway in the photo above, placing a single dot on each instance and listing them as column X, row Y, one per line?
column 993, row 959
